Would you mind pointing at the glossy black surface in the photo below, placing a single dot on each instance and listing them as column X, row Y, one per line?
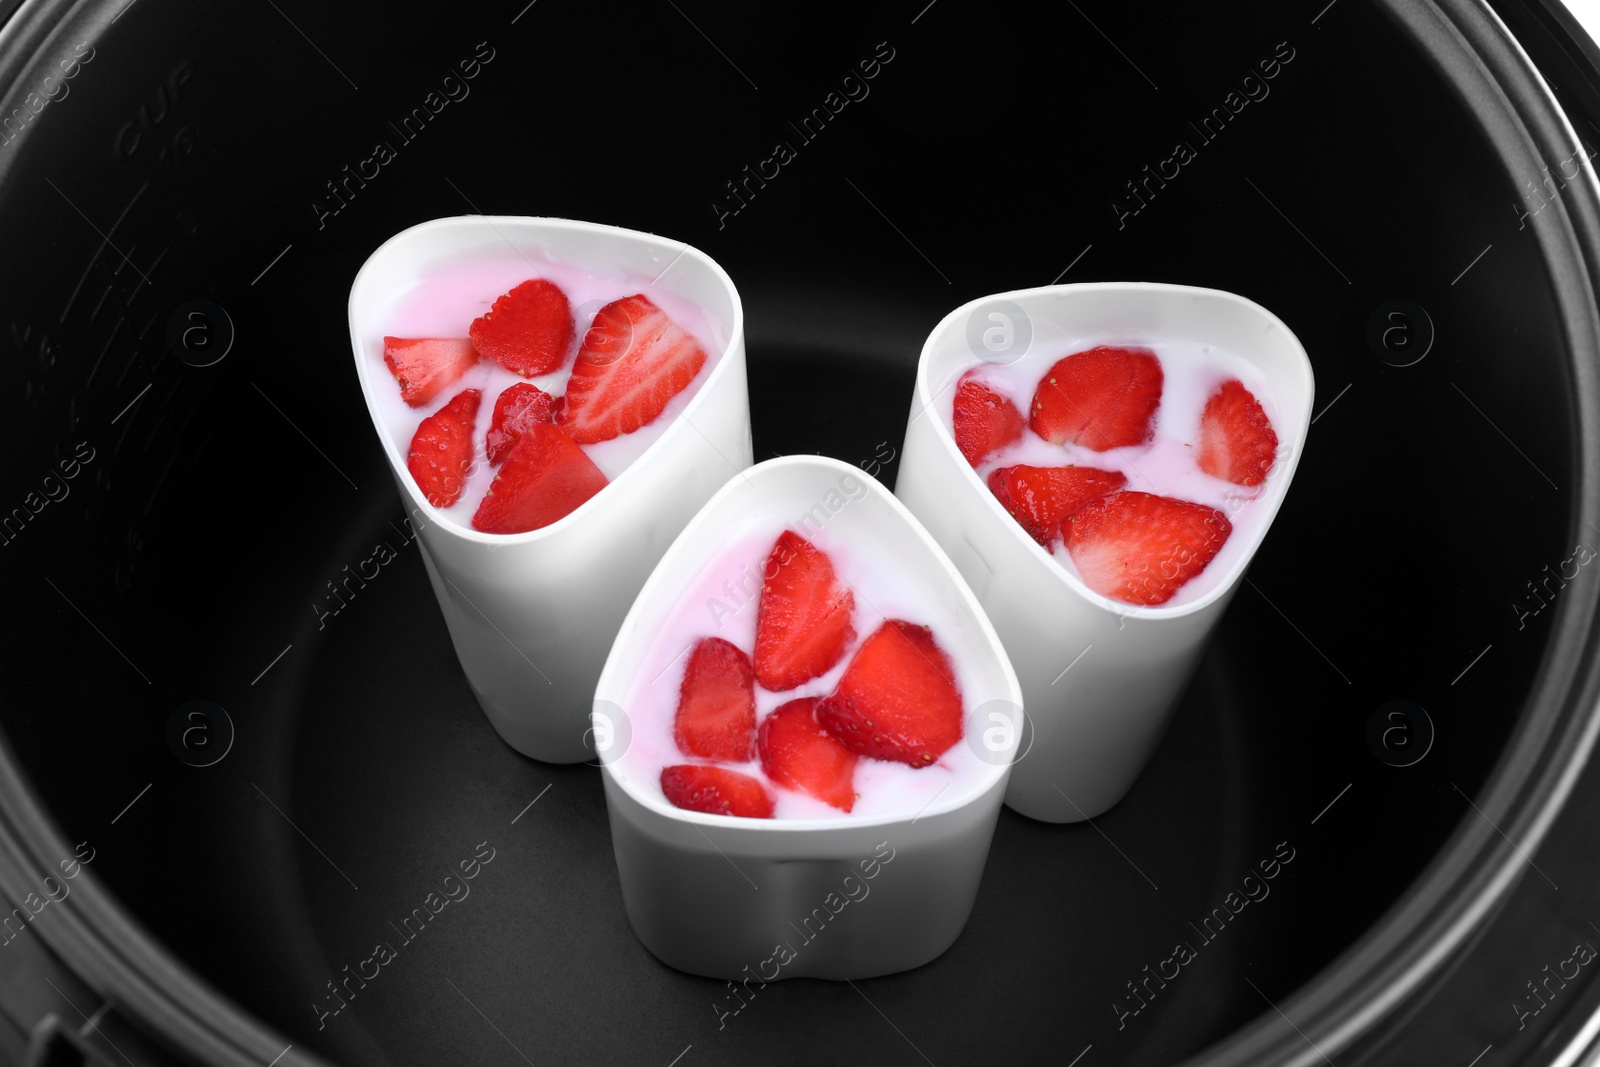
column 188, row 554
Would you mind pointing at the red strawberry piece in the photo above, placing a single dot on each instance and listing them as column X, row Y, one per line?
column 1237, row 443
column 716, row 791
column 898, row 699
column 1101, row 398
column 717, row 703
column 634, row 360
column 528, row 330
column 1040, row 497
column 425, row 365
column 519, row 407
column 797, row 752
column 803, row 623
column 984, row 420
column 441, row 449
column 545, row 477
column 1141, row 548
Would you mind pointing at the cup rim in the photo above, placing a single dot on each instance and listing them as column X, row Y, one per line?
column 675, row 429
column 614, row 675
column 1045, row 564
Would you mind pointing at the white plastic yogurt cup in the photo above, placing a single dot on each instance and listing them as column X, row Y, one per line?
column 836, row 895
column 1099, row 676
column 532, row 614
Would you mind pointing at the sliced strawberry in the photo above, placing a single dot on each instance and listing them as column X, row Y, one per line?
column 1101, row 398
column 425, row 365
column 984, row 420
column 797, row 752
column 519, row 407
column 1141, row 548
column 716, row 791
column 898, row 699
column 633, row 361
column 528, row 330
column 545, row 477
column 803, row 623
column 441, row 449
column 717, row 703
column 1040, row 497
column 1237, row 442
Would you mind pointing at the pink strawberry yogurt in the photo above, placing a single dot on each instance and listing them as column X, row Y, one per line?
column 444, row 301
column 722, row 600
column 1166, row 466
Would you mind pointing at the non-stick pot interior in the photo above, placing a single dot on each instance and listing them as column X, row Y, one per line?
column 230, row 168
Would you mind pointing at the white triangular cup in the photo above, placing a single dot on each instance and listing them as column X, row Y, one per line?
column 850, row 896
column 532, row 615
column 1100, row 677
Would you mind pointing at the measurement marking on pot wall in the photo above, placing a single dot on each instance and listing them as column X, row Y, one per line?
column 680, row 1056
column 273, row 664
column 1469, row 666
column 1480, row 1055
column 66, row 309
column 280, row 1056
column 531, row 803
column 1331, row 803
column 1324, row 11
column 131, row 803
column 524, row 11
column 1080, row 1055
column 96, row 229
column 924, row 11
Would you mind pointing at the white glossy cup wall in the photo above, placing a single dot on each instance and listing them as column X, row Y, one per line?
column 1095, row 726
column 712, row 894
column 532, row 615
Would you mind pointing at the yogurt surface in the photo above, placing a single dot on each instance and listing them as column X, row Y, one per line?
column 1166, row 466
column 443, row 302
column 721, row 600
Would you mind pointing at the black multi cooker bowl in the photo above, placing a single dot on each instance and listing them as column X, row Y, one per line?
column 214, row 798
